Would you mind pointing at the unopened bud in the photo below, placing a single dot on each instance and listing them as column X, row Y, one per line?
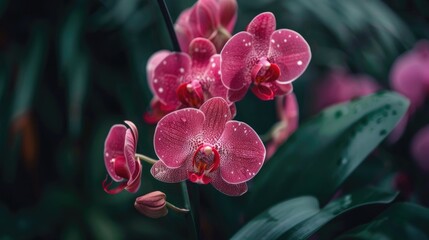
column 152, row 205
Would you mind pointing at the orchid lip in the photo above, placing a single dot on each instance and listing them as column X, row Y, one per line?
column 265, row 71
column 190, row 93
column 206, row 160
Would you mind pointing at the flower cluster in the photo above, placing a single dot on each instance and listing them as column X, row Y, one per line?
column 194, row 95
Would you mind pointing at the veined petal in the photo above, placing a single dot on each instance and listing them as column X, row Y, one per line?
column 208, row 16
column 168, row 75
column 201, row 50
column 227, row 188
column 242, row 153
column 228, row 14
column 130, row 150
column 114, row 147
column 290, row 51
column 176, row 136
column 216, row 111
column 153, row 61
column 164, row 174
column 237, row 95
column 237, row 61
column 134, row 182
column 212, row 80
column 261, row 28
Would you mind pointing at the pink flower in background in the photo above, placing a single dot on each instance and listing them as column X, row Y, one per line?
column 420, row 148
column 288, row 112
column 410, row 77
column 182, row 80
column 268, row 59
column 120, row 160
column 205, row 146
column 210, row 19
column 340, row 86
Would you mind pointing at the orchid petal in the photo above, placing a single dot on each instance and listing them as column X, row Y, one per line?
column 168, row 76
column 201, row 50
column 217, row 114
column 174, row 138
column 243, row 153
column 290, row 52
column 130, row 150
column 164, row 174
column 237, row 60
column 261, row 28
column 153, row 61
column 207, row 16
column 227, row 188
column 134, row 182
column 213, row 78
column 228, row 14
column 114, row 147
column 115, row 190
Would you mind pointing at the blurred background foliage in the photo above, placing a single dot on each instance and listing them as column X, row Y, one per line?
column 70, row 69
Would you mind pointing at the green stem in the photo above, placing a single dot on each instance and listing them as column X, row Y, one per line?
column 169, row 23
column 176, row 209
column 146, row 159
column 190, row 217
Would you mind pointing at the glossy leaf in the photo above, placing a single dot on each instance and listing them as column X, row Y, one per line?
column 272, row 223
column 360, row 198
column 400, row 221
column 318, row 158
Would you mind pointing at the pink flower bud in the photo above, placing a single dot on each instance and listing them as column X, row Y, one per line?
column 152, row 205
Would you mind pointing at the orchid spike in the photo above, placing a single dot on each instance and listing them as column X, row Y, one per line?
column 265, row 58
column 205, row 146
column 210, row 19
column 119, row 158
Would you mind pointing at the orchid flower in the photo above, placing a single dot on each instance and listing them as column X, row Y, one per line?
column 410, row 77
column 205, row 146
column 340, row 86
column 287, row 110
column 265, row 58
column 182, row 80
column 210, row 19
column 120, row 160
column 420, row 148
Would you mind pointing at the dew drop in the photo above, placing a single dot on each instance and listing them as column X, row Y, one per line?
column 107, row 154
column 197, row 49
column 160, row 90
column 278, row 45
column 285, row 40
column 338, row 114
column 343, row 161
column 273, row 41
column 164, row 62
column 183, row 119
column 155, row 80
column 182, row 70
column 213, row 65
column 299, row 63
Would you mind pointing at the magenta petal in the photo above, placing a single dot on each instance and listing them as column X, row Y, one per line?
column 213, row 78
column 115, row 190
column 228, row 14
column 113, row 147
column 420, row 148
column 208, row 16
column 290, row 52
column 227, row 188
column 217, row 114
column 243, row 152
column 133, row 130
column 130, row 150
column 201, row 50
column 234, row 96
column 153, row 61
column 168, row 76
column 236, row 61
column 134, row 182
column 175, row 136
column 261, row 27
column 164, row 174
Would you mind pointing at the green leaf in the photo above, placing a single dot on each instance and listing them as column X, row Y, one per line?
column 323, row 152
column 278, row 219
column 360, row 198
column 400, row 221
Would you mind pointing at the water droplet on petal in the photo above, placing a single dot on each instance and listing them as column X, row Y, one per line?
column 299, row 63
column 160, row 90
column 183, row 119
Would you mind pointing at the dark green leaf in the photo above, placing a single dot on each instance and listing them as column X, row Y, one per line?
column 326, row 150
column 342, row 205
column 400, row 221
column 272, row 223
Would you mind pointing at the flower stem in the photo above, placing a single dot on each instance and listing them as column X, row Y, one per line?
column 169, row 23
column 146, row 159
column 190, row 217
column 176, row 209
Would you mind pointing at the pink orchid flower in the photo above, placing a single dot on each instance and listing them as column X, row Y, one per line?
column 267, row 58
column 210, row 19
column 340, row 86
column 288, row 112
column 182, row 80
column 205, row 146
column 420, row 148
column 120, row 160
column 410, row 77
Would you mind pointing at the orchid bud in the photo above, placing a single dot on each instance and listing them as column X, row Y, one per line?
column 152, row 205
